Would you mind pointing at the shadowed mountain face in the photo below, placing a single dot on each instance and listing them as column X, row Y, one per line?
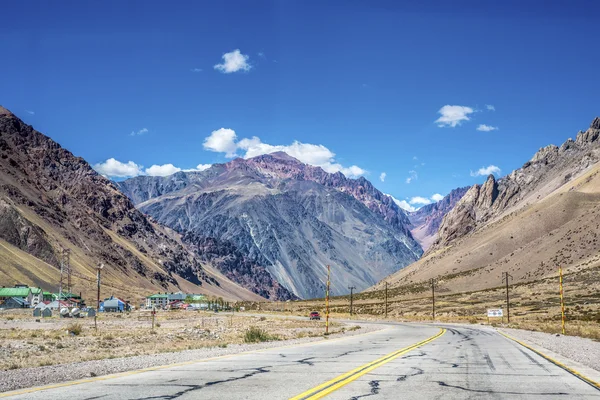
column 50, row 199
column 290, row 218
column 426, row 221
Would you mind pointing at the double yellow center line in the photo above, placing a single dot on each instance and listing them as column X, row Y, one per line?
column 325, row 388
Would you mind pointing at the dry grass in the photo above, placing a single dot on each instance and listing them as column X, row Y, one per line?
column 534, row 305
column 27, row 343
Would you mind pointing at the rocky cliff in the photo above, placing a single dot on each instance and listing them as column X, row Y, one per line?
column 549, row 168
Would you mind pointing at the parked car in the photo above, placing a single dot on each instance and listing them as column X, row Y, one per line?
column 315, row 315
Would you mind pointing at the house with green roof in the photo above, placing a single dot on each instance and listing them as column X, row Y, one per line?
column 31, row 295
column 18, row 292
column 157, row 300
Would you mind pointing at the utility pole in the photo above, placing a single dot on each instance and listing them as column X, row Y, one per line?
column 505, row 277
column 562, row 299
column 327, row 302
column 351, row 289
column 97, row 296
column 433, row 283
column 386, row 299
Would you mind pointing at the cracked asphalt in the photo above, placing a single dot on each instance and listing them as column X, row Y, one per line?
column 463, row 363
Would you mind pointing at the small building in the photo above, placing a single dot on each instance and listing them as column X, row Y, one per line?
column 47, row 312
column 14, row 302
column 58, row 304
column 157, row 300
column 195, row 298
column 36, row 296
column 22, row 292
column 113, row 304
column 47, row 296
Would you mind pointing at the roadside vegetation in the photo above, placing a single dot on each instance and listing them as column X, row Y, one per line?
column 25, row 342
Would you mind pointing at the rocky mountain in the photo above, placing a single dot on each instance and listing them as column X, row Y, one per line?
column 287, row 217
column 549, row 168
column 541, row 216
column 52, row 200
column 426, row 221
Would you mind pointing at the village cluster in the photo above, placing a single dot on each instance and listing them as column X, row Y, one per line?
column 68, row 304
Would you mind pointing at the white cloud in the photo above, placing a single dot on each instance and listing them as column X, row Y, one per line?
column 138, row 133
column 382, row 177
column 30, row 112
column 412, row 175
column 196, row 69
column 225, row 141
column 261, row 54
column 453, row 115
column 420, row 200
column 437, row 197
column 222, row 141
column 199, row 167
column 486, row 128
column 485, row 171
column 233, row 62
column 415, row 158
column 118, row 169
column 490, row 107
column 202, row 167
column 162, row 170
column 403, row 204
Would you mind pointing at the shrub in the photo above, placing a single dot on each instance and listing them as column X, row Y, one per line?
column 74, row 328
column 256, row 335
column 10, row 318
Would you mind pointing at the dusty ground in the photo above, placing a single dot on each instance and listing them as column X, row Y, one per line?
column 27, row 343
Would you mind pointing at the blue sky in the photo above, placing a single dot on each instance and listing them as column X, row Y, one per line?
column 360, row 85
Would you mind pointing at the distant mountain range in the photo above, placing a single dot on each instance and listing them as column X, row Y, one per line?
column 541, row 216
column 50, row 200
column 283, row 218
column 425, row 222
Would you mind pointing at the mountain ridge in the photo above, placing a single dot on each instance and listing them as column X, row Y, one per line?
column 290, row 217
column 51, row 199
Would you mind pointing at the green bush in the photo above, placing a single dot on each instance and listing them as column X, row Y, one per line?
column 256, row 335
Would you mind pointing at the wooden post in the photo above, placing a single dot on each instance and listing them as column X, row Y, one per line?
column 386, row 299
column 562, row 299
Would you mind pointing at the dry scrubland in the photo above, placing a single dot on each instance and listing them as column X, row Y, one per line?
column 26, row 343
column 534, row 305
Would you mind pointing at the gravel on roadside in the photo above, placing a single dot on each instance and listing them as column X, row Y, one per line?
column 39, row 376
column 582, row 350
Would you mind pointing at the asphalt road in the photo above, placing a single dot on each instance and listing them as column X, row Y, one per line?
column 461, row 363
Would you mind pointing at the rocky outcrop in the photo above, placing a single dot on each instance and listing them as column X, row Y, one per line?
column 426, row 221
column 287, row 217
column 549, row 168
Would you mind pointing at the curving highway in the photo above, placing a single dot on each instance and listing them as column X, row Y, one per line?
column 401, row 361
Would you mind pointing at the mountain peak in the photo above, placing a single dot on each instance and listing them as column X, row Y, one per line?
column 282, row 155
column 595, row 123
